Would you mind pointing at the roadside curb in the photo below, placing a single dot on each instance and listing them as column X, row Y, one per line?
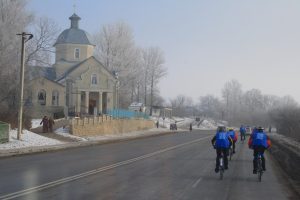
column 52, row 148
column 287, row 160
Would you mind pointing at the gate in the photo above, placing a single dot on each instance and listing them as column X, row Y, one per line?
column 4, row 132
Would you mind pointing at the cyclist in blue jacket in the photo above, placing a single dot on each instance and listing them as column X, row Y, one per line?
column 243, row 132
column 221, row 142
column 232, row 134
column 259, row 141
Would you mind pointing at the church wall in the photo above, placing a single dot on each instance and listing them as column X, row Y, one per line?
column 43, row 84
column 38, row 111
column 67, row 52
column 110, row 101
column 85, row 71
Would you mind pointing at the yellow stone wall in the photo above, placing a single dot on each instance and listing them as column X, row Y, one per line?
column 106, row 125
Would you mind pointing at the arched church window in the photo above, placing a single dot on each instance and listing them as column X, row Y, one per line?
column 55, row 98
column 94, row 79
column 77, row 53
column 42, row 97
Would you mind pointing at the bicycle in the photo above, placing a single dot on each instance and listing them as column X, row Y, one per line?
column 221, row 166
column 260, row 170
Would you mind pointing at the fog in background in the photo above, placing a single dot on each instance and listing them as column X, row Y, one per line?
column 205, row 43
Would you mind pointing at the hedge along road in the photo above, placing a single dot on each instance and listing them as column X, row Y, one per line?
column 175, row 166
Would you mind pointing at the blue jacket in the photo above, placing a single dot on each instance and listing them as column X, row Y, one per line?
column 231, row 134
column 222, row 140
column 259, row 139
column 242, row 129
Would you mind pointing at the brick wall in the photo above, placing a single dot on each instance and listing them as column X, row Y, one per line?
column 107, row 125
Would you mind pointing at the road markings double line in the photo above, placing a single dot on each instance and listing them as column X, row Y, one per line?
column 91, row 172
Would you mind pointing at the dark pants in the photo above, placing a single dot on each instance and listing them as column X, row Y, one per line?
column 219, row 153
column 243, row 136
column 256, row 151
column 233, row 145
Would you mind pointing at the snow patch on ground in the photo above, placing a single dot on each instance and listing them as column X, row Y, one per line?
column 35, row 123
column 209, row 124
column 28, row 139
column 66, row 133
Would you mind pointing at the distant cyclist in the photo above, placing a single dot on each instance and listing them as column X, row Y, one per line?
column 232, row 134
column 259, row 142
column 221, row 142
column 254, row 130
column 243, row 132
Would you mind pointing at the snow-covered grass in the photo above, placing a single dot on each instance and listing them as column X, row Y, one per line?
column 66, row 133
column 209, row 124
column 35, row 123
column 165, row 123
column 28, row 139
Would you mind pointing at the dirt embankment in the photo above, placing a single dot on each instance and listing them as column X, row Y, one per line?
column 286, row 152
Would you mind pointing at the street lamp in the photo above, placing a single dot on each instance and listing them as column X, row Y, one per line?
column 25, row 38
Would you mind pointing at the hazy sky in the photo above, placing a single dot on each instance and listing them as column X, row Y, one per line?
column 206, row 42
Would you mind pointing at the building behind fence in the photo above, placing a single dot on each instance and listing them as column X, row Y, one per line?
column 4, row 132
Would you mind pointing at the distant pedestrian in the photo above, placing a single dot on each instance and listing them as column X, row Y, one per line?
column 270, row 129
column 50, row 124
column 191, row 126
column 45, row 124
column 157, row 124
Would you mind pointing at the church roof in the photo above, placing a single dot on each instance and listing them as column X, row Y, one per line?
column 40, row 71
column 74, row 35
column 72, row 68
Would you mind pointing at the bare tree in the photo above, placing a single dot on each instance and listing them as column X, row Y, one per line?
column 40, row 50
column 115, row 48
column 254, row 100
column 181, row 105
column 13, row 19
column 232, row 95
column 153, row 61
column 211, row 106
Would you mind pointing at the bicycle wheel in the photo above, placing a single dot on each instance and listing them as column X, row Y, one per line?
column 259, row 171
column 221, row 168
column 221, row 173
column 259, row 176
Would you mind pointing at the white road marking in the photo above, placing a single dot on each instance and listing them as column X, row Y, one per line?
column 197, row 182
column 95, row 171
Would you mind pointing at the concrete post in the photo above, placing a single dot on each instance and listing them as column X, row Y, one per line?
column 100, row 103
column 86, row 102
column 78, row 102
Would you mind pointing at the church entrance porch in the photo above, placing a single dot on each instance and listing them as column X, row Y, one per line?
column 92, row 103
column 92, row 107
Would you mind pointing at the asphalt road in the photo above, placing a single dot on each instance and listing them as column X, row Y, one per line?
column 176, row 166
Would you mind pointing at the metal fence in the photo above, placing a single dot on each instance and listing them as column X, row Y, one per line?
column 4, row 132
column 122, row 113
